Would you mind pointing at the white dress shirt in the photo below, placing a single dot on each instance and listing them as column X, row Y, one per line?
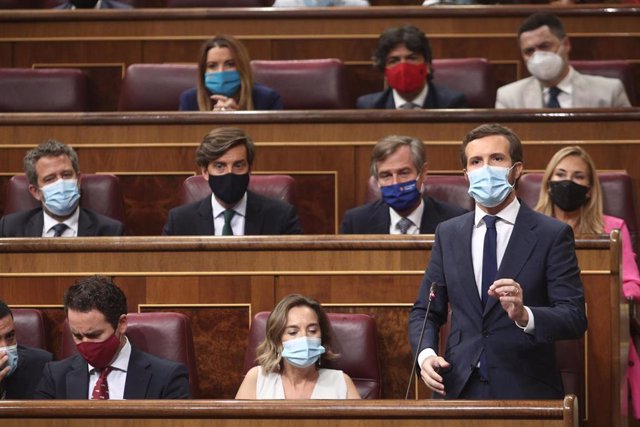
column 565, row 97
column 415, row 217
column 418, row 100
column 237, row 221
column 117, row 377
column 71, row 223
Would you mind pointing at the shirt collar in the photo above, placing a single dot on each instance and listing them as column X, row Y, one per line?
column 418, row 100
column 507, row 214
column 121, row 362
column 415, row 216
column 566, row 84
column 240, row 208
column 71, row 222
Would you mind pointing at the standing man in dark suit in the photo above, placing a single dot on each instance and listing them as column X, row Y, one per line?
column 224, row 158
column 107, row 366
column 53, row 172
column 511, row 279
column 399, row 166
column 403, row 54
column 20, row 366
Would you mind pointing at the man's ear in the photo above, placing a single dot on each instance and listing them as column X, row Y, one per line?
column 205, row 173
column 122, row 324
column 35, row 192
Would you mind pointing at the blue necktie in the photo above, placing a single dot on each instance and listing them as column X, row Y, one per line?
column 226, row 229
column 59, row 229
column 489, row 273
column 489, row 258
column 553, row 97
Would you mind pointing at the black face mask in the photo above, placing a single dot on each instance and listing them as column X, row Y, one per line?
column 567, row 195
column 229, row 187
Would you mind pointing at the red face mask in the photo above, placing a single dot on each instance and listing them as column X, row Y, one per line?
column 405, row 77
column 99, row 354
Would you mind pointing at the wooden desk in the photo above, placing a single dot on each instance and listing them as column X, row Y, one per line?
column 189, row 413
column 221, row 282
column 327, row 152
column 105, row 42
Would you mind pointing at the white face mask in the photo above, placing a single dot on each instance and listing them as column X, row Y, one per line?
column 545, row 66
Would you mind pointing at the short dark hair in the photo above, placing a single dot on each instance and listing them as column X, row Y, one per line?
column 5, row 310
column 540, row 19
column 49, row 148
column 515, row 145
column 97, row 293
column 219, row 141
column 409, row 35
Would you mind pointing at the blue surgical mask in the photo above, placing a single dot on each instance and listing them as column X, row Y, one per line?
column 61, row 197
column 12, row 352
column 320, row 3
column 302, row 352
column 224, row 83
column 489, row 185
column 401, row 196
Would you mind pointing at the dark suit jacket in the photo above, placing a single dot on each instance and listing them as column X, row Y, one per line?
column 264, row 216
column 30, row 223
column 374, row 217
column 541, row 257
column 264, row 98
column 24, row 380
column 148, row 377
column 437, row 97
column 106, row 4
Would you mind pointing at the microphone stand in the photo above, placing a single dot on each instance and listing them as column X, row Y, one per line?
column 432, row 296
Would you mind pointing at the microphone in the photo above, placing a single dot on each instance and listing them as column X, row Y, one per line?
column 432, row 296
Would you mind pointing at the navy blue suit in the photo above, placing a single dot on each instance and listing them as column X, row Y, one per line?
column 24, row 380
column 264, row 98
column 264, row 216
column 374, row 217
column 437, row 97
column 105, row 4
column 148, row 377
column 540, row 256
column 30, row 224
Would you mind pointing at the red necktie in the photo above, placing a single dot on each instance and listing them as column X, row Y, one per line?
column 101, row 389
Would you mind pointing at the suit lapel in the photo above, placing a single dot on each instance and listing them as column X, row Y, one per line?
column 33, row 227
column 431, row 101
column 205, row 226
column 86, row 226
column 429, row 219
column 464, row 261
column 389, row 104
column 532, row 94
column 580, row 91
column 253, row 219
column 78, row 380
column 521, row 243
column 380, row 220
column 138, row 376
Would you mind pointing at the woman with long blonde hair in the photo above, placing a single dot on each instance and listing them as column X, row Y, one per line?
column 225, row 81
column 570, row 191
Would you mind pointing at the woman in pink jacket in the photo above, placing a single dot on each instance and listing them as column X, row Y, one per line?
column 571, row 192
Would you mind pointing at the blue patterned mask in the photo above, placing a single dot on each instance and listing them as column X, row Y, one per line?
column 61, row 197
column 401, row 196
column 12, row 352
column 489, row 185
column 302, row 352
column 224, row 83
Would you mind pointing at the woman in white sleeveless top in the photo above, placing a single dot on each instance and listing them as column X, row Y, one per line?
column 298, row 338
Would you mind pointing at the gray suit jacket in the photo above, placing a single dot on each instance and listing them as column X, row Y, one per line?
column 588, row 92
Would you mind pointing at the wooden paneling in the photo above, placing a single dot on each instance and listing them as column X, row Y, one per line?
column 327, row 152
column 90, row 39
column 378, row 275
column 291, row 413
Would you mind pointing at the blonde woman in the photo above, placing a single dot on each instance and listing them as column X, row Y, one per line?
column 225, row 82
column 571, row 192
column 298, row 338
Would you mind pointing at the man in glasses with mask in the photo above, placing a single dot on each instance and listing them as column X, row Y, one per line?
column 107, row 365
column 53, row 172
column 399, row 166
column 224, row 158
column 403, row 54
column 554, row 83
column 20, row 366
column 510, row 277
